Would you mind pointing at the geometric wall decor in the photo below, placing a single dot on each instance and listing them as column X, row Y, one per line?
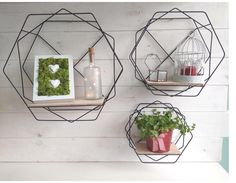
column 162, row 36
column 179, row 141
column 63, row 33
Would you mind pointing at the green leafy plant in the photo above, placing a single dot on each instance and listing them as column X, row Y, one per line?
column 156, row 123
column 45, row 75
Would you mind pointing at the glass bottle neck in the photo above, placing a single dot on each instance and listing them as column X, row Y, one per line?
column 91, row 65
column 91, row 57
column 91, row 61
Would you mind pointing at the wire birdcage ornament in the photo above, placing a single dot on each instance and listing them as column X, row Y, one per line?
column 190, row 58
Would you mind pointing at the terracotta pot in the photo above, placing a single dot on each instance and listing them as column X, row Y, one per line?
column 189, row 71
column 161, row 143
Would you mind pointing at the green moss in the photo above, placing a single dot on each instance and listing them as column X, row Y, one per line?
column 45, row 75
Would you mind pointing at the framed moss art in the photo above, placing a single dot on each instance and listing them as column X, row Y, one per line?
column 53, row 78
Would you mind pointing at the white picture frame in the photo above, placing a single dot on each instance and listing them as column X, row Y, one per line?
column 53, row 98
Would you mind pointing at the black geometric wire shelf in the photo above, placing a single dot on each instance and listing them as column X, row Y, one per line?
column 187, row 23
column 36, row 37
column 179, row 142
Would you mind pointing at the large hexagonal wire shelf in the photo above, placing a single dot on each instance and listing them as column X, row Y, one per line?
column 151, row 39
column 179, row 142
column 34, row 40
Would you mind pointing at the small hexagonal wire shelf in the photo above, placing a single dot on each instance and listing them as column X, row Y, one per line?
column 63, row 33
column 178, row 144
column 162, row 36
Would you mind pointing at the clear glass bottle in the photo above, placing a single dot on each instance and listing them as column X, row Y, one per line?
column 92, row 79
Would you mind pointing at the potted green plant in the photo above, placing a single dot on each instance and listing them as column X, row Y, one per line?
column 157, row 129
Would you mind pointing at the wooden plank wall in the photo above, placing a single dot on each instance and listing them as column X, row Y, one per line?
column 23, row 139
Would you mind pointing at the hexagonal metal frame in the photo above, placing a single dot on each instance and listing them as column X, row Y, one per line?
column 85, row 109
column 163, row 90
column 180, row 141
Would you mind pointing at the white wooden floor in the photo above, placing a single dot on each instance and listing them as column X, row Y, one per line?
column 118, row 171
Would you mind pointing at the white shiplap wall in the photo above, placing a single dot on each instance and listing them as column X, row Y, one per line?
column 22, row 139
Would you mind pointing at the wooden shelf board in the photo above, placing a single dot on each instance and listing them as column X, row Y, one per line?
column 142, row 149
column 77, row 102
column 172, row 83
